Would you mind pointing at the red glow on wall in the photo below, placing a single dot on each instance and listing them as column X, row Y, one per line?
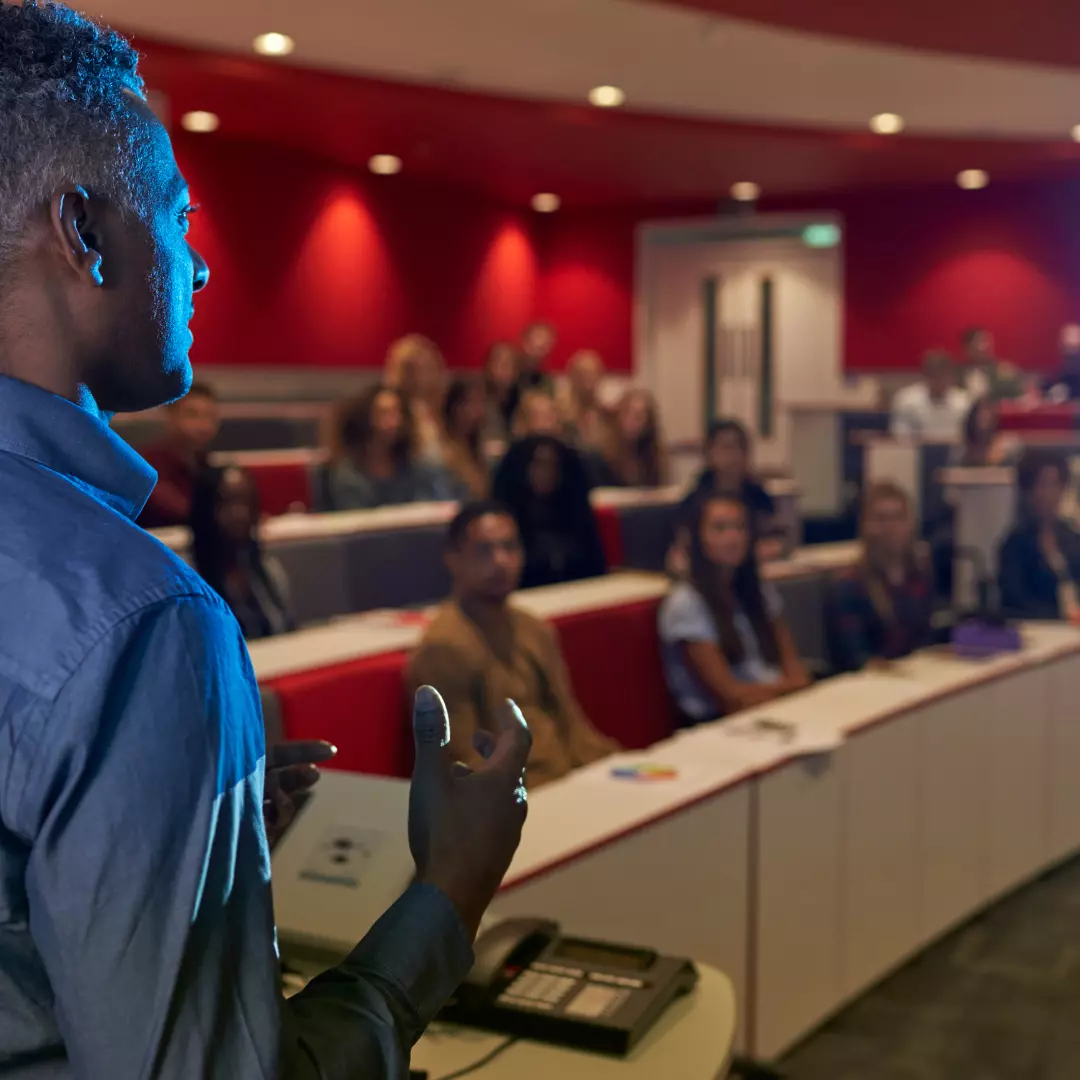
column 342, row 285
column 504, row 293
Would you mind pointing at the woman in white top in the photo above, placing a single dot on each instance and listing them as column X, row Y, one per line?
column 724, row 641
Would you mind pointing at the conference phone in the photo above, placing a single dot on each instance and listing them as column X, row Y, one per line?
column 532, row 981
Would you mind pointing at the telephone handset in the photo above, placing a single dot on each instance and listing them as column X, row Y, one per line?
column 508, row 944
column 530, row 980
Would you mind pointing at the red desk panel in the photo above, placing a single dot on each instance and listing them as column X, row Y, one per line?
column 614, row 659
column 281, row 486
column 609, row 525
column 359, row 706
column 1041, row 418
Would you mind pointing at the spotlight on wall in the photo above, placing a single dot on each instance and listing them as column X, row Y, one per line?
column 887, row 123
column 546, row 202
column 745, row 191
column 200, row 122
column 606, row 97
column 972, row 179
column 274, row 44
column 384, row 164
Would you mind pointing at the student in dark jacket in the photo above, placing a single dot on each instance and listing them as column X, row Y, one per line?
column 1039, row 562
column 727, row 472
column 881, row 608
column 544, row 484
column 228, row 556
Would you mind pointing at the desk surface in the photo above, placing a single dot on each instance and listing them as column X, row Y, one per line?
column 691, row 1041
column 591, row 807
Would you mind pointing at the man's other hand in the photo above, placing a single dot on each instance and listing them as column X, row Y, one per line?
column 292, row 769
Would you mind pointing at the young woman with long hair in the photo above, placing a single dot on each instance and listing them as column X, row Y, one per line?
column 463, row 448
column 373, row 457
column 724, row 640
column 228, row 556
column 415, row 366
column 1039, row 561
column 544, row 484
column 881, row 609
column 633, row 452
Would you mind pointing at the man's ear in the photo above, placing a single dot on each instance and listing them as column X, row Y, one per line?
column 75, row 220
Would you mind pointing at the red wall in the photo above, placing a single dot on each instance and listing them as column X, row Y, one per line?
column 921, row 266
column 314, row 264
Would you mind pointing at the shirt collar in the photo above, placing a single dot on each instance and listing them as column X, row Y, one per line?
column 67, row 439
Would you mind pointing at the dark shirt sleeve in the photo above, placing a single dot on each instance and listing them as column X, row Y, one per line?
column 149, row 879
column 847, row 628
column 1021, row 594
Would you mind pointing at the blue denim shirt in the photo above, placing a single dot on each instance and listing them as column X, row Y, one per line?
column 136, row 924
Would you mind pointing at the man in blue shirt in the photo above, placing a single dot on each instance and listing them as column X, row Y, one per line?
column 136, row 925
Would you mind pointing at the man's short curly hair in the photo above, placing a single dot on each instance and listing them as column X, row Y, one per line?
column 63, row 113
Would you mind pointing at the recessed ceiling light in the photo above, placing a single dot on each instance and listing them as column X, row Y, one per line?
column 973, row 179
column 745, row 191
column 886, row 123
column 1076, row 133
column 274, row 44
column 546, row 203
column 200, row 122
column 384, row 164
column 606, row 97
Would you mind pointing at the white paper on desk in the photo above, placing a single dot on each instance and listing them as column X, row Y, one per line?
column 785, row 737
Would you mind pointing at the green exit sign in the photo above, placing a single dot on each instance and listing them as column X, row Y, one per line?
column 824, row 235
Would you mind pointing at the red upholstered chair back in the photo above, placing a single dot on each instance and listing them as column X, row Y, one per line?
column 613, row 655
column 614, row 659
column 358, row 706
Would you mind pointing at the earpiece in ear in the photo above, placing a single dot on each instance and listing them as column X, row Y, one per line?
column 95, row 272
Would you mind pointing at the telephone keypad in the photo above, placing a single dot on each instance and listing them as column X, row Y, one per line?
column 538, row 989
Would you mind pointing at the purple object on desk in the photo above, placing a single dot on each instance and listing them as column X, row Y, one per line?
column 976, row 638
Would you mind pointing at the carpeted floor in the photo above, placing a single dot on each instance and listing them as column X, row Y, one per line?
column 999, row 999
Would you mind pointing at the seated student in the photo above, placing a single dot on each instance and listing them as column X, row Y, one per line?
column 191, row 425
column 374, row 461
column 1039, row 561
column 584, row 417
column 480, row 650
column 415, row 366
column 724, row 641
column 1065, row 382
column 982, row 443
column 544, row 484
column 500, row 388
column 727, row 472
column 229, row 558
column 881, row 608
column 536, row 414
column 933, row 408
column 464, row 414
column 632, row 448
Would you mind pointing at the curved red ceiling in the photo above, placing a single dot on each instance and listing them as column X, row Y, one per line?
column 510, row 149
column 1038, row 31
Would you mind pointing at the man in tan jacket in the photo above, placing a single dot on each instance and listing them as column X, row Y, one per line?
column 480, row 650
